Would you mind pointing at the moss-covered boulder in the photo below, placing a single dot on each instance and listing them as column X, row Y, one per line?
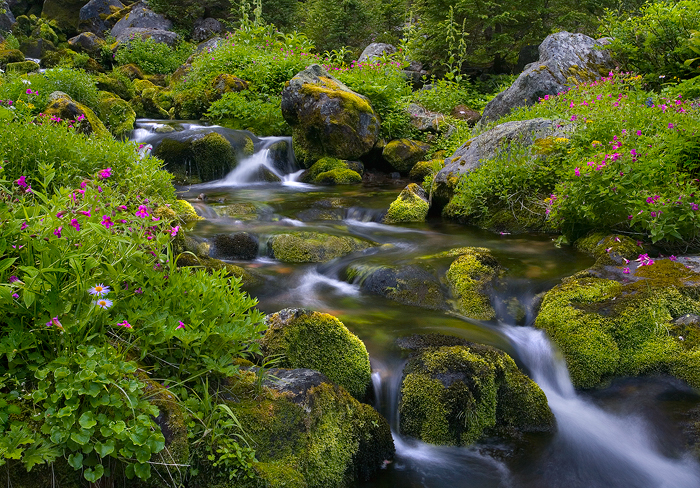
column 118, row 83
column 424, row 168
column 22, row 67
column 87, row 42
column 312, row 247
column 457, row 394
column 315, row 340
column 403, row 154
column 333, row 171
column 66, row 13
column 199, row 156
column 63, row 107
column 10, row 56
column 611, row 322
column 470, row 278
column 185, row 212
column 239, row 245
column 244, row 210
column 411, row 284
column 609, row 249
column 327, row 118
column 410, row 206
column 226, row 83
column 95, row 15
column 307, row 433
column 117, row 115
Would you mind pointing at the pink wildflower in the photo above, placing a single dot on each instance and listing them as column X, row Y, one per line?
column 105, row 173
column 75, row 224
column 107, row 221
column 142, row 212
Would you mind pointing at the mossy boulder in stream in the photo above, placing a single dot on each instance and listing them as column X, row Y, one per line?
column 239, row 245
column 458, row 393
column 319, row 341
column 307, row 433
column 411, row 285
column 332, row 171
column 63, row 107
column 611, row 249
column 410, row 206
column 312, row 247
column 116, row 114
column 619, row 321
column 470, row 278
column 403, row 154
column 327, row 117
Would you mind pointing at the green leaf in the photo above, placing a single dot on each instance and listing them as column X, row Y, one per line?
column 87, row 420
column 76, row 460
column 81, row 437
column 6, row 263
column 94, row 474
column 29, row 298
column 142, row 470
column 105, row 449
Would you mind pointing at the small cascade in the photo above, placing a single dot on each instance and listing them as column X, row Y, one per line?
column 615, row 451
column 361, row 214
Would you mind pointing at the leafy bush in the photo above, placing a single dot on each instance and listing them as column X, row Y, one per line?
column 658, row 40
column 153, row 57
column 245, row 110
column 74, row 82
column 445, row 95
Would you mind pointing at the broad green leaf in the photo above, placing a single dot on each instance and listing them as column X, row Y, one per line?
column 94, row 474
column 87, row 420
column 76, row 460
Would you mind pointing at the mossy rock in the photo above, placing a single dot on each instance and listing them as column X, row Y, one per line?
column 340, row 176
column 191, row 104
column 470, row 278
column 132, row 71
column 327, row 118
column 146, row 106
column 10, row 56
column 410, row 206
column 609, row 249
column 120, row 85
column 622, row 325
column 307, row 433
column 63, row 57
column 323, row 165
column 319, row 341
column 247, row 278
column 117, row 115
column 64, row 107
column 185, row 212
column 411, row 285
column 198, row 157
column 312, row 247
column 403, row 154
column 459, row 394
column 227, row 83
column 22, row 67
column 141, row 85
column 424, row 168
column 66, row 13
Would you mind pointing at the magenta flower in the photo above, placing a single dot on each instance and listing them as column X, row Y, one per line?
column 57, row 232
column 86, row 213
column 180, row 325
column 174, row 230
column 672, row 258
column 29, row 91
column 22, row 181
column 126, row 324
column 107, row 221
column 54, row 321
column 23, row 226
column 13, row 279
column 670, row 125
column 577, row 172
column 83, row 184
column 105, row 173
column 626, row 270
column 142, row 212
column 15, row 296
column 75, row 224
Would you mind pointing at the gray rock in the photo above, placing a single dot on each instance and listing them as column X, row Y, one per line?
column 473, row 153
column 296, row 382
column 209, row 45
column 424, row 120
column 688, row 319
column 6, row 19
column 240, row 245
column 206, row 28
column 141, row 17
column 87, row 42
column 93, row 14
column 562, row 56
column 376, row 50
column 327, row 117
column 160, row 36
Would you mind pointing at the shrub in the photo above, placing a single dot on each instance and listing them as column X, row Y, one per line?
column 153, row 57
column 76, row 83
column 444, row 95
column 244, row 110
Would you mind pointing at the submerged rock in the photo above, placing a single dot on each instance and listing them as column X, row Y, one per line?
column 610, row 321
column 411, row 285
column 315, row 340
column 327, row 118
column 471, row 277
column 458, row 393
column 241, row 245
column 312, row 247
column 410, row 206
column 563, row 57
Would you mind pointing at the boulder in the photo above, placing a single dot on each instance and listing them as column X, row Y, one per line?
column 205, row 28
column 462, row 112
column 611, row 321
column 93, row 15
column 10, row 56
column 470, row 278
column 144, row 23
column 241, row 245
column 375, row 51
column 312, row 247
column 410, row 285
column 327, row 118
column 117, row 115
column 244, row 211
column 457, row 394
column 424, row 120
column 424, row 168
column 314, row 340
column 22, row 67
column 86, row 42
column 473, row 153
column 159, row 36
column 6, row 18
column 410, row 206
column 563, row 57
column 62, row 108
column 66, row 13
column 333, row 171
column 402, row 154
column 36, row 48
column 226, row 83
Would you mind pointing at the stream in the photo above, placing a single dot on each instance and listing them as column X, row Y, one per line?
column 626, row 435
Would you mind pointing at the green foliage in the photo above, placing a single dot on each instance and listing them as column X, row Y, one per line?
column 248, row 110
column 12, row 42
column 184, row 12
column 444, row 95
column 153, row 57
column 658, row 40
column 74, row 82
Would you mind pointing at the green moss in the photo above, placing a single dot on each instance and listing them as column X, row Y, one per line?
column 609, row 249
column 312, row 247
column 185, row 211
column 118, row 84
column 323, row 165
column 319, row 341
column 67, row 109
column 456, row 395
column 22, row 67
column 403, row 154
column 198, row 159
column 410, row 206
column 329, row 88
column 117, row 115
column 424, row 168
column 10, row 56
column 469, row 278
column 210, row 264
column 606, row 328
column 191, row 104
column 339, row 176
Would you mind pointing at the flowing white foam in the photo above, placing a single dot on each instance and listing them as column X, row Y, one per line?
column 315, row 287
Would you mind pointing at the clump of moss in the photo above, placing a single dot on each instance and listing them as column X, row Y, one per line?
column 117, row 115
column 607, row 328
column 609, row 249
column 312, row 247
column 323, row 165
column 319, row 341
column 456, row 395
column 22, row 67
column 410, row 206
column 67, row 109
column 340, row 176
column 425, row 168
column 470, row 276
column 185, row 212
column 403, row 154
column 210, row 264
column 198, row 159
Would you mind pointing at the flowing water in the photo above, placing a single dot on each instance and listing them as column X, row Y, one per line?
column 628, row 435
